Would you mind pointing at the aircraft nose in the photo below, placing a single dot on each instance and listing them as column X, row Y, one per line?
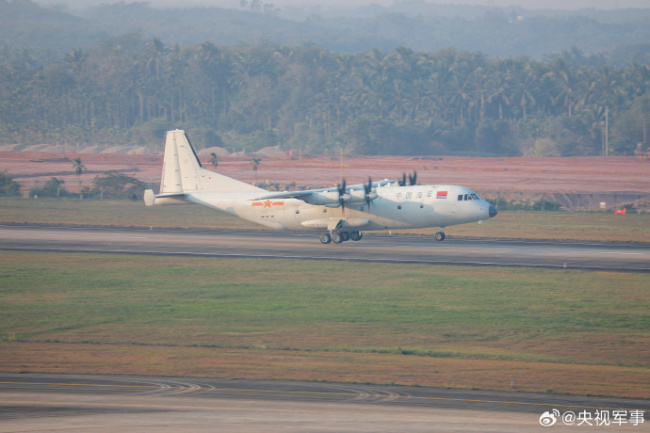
column 493, row 211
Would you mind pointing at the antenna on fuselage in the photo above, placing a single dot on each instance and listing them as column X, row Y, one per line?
column 413, row 179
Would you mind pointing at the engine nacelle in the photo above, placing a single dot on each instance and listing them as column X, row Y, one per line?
column 356, row 196
column 326, row 198
column 359, row 196
column 332, row 198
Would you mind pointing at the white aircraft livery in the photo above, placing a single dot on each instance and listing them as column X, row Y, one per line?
column 338, row 214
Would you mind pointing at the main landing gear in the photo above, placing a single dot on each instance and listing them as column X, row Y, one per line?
column 340, row 237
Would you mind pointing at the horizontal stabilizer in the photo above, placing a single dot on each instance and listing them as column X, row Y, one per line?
column 150, row 199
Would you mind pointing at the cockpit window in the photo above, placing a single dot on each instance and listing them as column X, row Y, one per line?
column 467, row 197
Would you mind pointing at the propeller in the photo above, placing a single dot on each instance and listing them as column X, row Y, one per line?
column 354, row 195
column 367, row 188
column 342, row 192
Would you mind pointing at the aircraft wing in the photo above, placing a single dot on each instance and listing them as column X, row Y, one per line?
column 307, row 193
column 331, row 197
column 300, row 195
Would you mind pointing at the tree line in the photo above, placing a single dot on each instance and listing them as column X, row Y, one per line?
column 110, row 185
column 130, row 89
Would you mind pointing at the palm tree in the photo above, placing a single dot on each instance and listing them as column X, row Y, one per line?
column 79, row 168
column 75, row 59
column 255, row 162
column 525, row 81
column 567, row 82
column 214, row 159
column 58, row 183
column 499, row 87
column 154, row 56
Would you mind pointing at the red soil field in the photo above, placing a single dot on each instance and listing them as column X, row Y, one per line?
column 516, row 177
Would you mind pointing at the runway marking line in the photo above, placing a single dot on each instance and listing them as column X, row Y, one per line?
column 404, row 397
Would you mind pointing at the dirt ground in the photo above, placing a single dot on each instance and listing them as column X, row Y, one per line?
column 514, row 177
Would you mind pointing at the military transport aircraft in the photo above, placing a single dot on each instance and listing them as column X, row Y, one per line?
column 338, row 214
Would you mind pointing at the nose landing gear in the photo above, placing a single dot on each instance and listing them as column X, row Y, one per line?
column 440, row 236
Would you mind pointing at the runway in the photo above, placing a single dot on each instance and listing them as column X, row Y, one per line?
column 58, row 403
column 373, row 248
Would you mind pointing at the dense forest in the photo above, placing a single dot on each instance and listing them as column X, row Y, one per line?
column 131, row 88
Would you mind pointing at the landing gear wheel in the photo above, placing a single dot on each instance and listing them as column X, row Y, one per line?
column 338, row 238
column 356, row 235
column 325, row 238
column 440, row 236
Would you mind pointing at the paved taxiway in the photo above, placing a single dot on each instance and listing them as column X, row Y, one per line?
column 375, row 248
column 58, row 403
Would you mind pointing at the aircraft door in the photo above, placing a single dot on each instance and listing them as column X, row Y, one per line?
column 455, row 202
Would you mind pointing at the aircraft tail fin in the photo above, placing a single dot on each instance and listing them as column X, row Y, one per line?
column 183, row 173
column 171, row 181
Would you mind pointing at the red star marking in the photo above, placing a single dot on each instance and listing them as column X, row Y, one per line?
column 267, row 203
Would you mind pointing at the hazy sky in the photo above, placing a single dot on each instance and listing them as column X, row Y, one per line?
column 527, row 4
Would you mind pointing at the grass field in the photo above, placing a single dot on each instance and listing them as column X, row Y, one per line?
column 546, row 331
column 582, row 226
column 549, row 331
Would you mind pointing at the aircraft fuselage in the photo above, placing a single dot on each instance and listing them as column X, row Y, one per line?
column 396, row 207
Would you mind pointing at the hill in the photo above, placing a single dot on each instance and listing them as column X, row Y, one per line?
column 621, row 35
